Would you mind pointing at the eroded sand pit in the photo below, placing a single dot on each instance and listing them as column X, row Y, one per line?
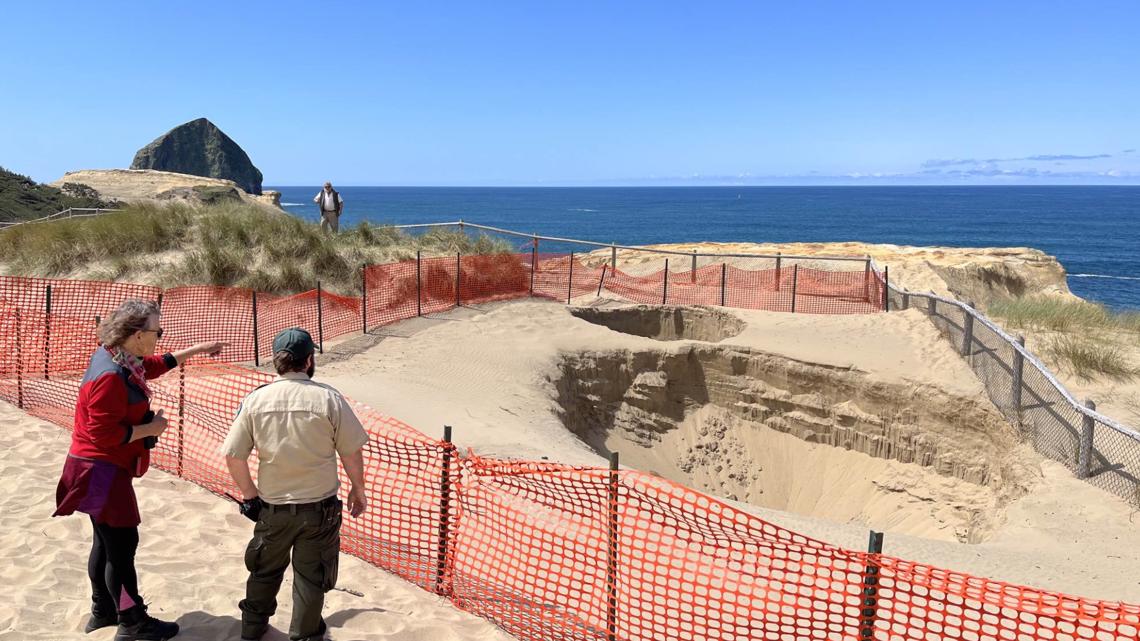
column 800, row 437
column 665, row 323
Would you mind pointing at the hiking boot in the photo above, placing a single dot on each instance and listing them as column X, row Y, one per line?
column 136, row 625
column 99, row 620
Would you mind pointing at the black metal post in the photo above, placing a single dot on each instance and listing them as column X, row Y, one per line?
column 778, row 260
column 665, row 283
column 419, row 286
column 256, row 351
column 47, row 331
column 886, row 288
column 795, row 282
column 870, row 598
column 181, row 412
column 364, row 299
column 458, row 280
column 723, row 281
column 19, row 361
column 693, row 271
column 533, row 263
column 602, row 279
column 570, row 284
column 160, row 300
column 320, row 321
column 444, row 510
column 612, row 551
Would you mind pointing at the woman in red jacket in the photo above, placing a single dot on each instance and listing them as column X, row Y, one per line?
column 110, row 446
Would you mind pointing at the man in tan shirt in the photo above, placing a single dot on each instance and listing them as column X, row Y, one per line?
column 298, row 427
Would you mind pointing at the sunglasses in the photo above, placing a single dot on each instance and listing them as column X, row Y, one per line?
column 158, row 332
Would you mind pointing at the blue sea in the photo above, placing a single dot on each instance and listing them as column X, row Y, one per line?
column 1093, row 231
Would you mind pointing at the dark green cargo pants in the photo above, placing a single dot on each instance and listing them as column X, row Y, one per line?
column 313, row 538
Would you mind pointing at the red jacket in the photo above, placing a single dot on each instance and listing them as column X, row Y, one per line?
column 109, row 407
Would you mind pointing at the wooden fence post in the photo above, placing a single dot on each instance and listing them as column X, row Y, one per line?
column 968, row 333
column 693, row 271
column 779, row 258
column 886, row 288
column 1085, row 446
column 795, row 282
column 1018, row 378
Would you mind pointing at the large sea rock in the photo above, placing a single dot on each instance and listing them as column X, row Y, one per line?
column 199, row 148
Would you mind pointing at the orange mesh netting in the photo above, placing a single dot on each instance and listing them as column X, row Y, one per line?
column 547, row 551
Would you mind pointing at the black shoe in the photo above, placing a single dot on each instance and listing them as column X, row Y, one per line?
column 136, row 625
column 99, row 620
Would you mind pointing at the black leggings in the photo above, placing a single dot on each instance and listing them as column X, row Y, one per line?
column 111, row 567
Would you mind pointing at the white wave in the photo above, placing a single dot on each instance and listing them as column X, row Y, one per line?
column 582, row 210
column 1104, row 276
column 292, row 204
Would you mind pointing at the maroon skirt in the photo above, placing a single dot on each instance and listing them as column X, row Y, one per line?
column 99, row 488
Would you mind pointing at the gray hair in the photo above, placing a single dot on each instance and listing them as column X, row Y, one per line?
column 129, row 317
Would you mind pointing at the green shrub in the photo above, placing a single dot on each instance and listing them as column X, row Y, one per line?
column 1089, row 359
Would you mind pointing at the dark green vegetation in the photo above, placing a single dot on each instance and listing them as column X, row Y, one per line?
column 21, row 198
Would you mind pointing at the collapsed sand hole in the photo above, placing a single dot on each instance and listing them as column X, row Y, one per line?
column 665, row 323
column 800, row 437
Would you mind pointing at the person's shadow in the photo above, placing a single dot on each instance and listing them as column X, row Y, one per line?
column 203, row 626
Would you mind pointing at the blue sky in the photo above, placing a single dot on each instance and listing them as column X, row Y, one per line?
column 583, row 93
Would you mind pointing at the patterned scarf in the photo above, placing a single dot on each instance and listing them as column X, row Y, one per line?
column 134, row 365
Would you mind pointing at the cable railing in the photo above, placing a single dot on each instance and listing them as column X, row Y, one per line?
column 70, row 212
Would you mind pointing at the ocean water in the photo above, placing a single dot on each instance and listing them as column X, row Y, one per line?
column 1093, row 231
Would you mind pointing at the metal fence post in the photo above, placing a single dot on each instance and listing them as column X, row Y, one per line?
column 1085, row 446
column 665, row 283
column 419, row 286
column 444, row 512
column 160, row 300
column 693, row 271
column 19, row 361
column 779, row 258
column 458, row 279
column 181, row 413
column 570, row 284
column 612, row 541
column 256, row 351
column 795, row 282
column 47, row 331
column 320, row 321
column 723, row 280
column 602, row 279
column 364, row 299
column 870, row 597
column 1018, row 377
column 533, row 263
column 968, row 333
column 613, row 255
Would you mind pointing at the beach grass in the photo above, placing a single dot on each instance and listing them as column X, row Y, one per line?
column 1089, row 358
column 228, row 244
column 1061, row 315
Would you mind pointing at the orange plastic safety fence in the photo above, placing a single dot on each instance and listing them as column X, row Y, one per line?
column 553, row 552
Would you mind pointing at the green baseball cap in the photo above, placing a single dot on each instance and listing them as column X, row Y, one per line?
column 296, row 341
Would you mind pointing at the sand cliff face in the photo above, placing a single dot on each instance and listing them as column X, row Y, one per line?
column 979, row 274
column 135, row 185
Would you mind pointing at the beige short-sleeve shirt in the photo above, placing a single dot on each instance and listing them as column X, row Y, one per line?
column 298, row 427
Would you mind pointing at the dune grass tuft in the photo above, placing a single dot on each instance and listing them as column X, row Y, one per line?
column 1060, row 315
column 1090, row 359
column 230, row 244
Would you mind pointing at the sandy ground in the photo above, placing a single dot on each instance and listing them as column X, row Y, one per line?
column 189, row 562
column 488, row 372
column 491, row 373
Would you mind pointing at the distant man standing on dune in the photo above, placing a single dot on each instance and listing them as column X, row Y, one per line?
column 329, row 202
